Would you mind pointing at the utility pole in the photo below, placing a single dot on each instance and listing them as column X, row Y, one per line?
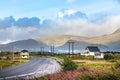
column 13, row 52
column 70, row 48
column 52, row 50
column 42, row 50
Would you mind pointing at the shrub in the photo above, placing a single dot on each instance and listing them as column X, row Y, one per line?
column 112, row 56
column 108, row 56
column 68, row 64
column 116, row 56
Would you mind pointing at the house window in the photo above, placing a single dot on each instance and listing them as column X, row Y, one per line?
column 97, row 54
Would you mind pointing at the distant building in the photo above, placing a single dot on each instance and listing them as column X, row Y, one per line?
column 24, row 54
column 93, row 51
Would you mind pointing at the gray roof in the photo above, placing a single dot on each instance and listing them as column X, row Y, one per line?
column 93, row 49
column 24, row 51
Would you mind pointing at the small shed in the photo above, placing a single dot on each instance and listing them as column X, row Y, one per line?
column 24, row 54
column 93, row 51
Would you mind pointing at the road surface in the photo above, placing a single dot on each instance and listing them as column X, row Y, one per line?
column 35, row 67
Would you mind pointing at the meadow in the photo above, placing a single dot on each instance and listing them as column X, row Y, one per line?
column 6, row 60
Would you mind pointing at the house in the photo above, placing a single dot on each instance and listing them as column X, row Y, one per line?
column 24, row 54
column 93, row 51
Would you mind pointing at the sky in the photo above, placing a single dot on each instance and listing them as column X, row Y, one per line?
column 25, row 19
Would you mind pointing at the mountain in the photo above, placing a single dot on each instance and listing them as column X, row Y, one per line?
column 117, row 31
column 30, row 44
column 105, row 39
column 111, row 40
column 105, row 42
column 114, row 46
column 60, row 40
column 79, row 46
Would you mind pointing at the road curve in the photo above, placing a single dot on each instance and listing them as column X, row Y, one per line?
column 35, row 67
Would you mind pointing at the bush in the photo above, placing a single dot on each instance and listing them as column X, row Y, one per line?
column 108, row 56
column 112, row 56
column 68, row 64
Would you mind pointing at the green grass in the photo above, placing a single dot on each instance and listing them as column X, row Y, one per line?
column 95, row 66
column 9, row 63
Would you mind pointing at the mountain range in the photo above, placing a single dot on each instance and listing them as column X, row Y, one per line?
column 105, row 42
column 30, row 44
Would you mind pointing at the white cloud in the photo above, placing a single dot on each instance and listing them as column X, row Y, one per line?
column 13, row 33
column 82, row 27
column 6, row 41
column 65, row 12
column 62, row 26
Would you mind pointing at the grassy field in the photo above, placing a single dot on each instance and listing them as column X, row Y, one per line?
column 9, row 63
column 6, row 60
column 96, row 65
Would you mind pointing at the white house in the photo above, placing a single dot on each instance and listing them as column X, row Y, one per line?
column 24, row 54
column 93, row 51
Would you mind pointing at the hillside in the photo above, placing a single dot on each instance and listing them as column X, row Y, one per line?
column 29, row 44
column 106, row 42
column 79, row 46
column 105, row 39
column 60, row 40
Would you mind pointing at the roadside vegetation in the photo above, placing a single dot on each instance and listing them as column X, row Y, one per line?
column 89, row 69
column 6, row 60
column 9, row 63
column 68, row 64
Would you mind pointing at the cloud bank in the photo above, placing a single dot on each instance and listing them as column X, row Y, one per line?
column 69, row 22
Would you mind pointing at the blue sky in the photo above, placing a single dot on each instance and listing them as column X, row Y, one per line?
column 50, row 8
column 57, row 17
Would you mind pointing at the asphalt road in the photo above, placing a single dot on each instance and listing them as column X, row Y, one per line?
column 35, row 67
